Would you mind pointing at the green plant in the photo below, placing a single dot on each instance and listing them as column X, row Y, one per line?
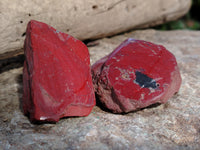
column 190, row 21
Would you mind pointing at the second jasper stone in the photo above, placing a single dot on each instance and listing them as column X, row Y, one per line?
column 135, row 75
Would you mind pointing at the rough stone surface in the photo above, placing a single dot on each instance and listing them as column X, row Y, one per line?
column 174, row 125
column 83, row 19
column 56, row 77
column 135, row 75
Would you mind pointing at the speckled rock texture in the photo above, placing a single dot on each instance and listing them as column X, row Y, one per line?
column 135, row 75
column 174, row 125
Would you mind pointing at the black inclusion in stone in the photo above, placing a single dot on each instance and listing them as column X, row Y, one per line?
column 144, row 81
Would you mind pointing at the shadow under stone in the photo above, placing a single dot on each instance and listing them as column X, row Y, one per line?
column 11, row 63
column 19, row 80
column 103, row 107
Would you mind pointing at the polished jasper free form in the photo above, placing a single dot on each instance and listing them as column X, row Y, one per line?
column 56, row 77
column 136, row 75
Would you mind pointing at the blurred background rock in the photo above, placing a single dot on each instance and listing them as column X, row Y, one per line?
column 190, row 21
column 85, row 20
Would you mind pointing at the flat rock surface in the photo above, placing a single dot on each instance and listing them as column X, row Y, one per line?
column 174, row 125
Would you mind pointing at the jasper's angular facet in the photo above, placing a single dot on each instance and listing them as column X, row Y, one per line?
column 56, row 77
column 136, row 75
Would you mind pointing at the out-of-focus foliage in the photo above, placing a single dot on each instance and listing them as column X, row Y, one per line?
column 191, row 21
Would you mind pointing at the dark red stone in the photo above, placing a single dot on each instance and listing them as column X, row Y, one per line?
column 56, row 76
column 135, row 75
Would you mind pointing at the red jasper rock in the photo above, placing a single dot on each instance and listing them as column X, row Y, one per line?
column 135, row 75
column 56, row 77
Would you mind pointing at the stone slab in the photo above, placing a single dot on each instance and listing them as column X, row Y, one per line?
column 174, row 125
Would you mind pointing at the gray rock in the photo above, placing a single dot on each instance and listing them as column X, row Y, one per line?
column 83, row 19
column 174, row 125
